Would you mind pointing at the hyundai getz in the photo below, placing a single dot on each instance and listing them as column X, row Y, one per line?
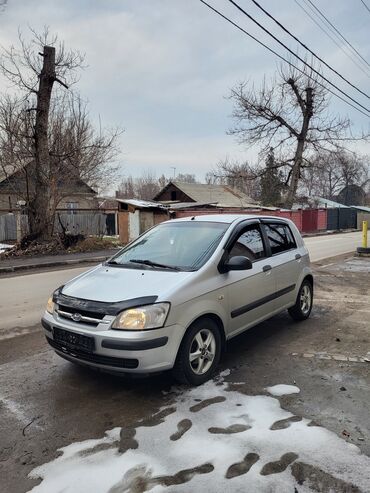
column 174, row 296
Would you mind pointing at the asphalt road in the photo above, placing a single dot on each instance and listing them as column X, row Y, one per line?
column 23, row 297
column 325, row 246
column 218, row 437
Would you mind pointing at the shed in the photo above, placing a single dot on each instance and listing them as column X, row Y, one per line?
column 136, row 216
column 363, row 214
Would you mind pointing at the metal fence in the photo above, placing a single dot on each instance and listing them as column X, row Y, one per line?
column 87, row 223
column 342, row 218
column 83, row 223
column 8, row 226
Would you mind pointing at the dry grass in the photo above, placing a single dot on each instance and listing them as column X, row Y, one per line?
column 93, row 243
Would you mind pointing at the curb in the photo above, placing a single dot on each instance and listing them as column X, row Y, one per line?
column 328, row 232
column 56, row 263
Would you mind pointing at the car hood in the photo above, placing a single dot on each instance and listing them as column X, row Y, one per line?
column 112, row 284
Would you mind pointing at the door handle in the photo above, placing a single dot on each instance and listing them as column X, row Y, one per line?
column 266, row 268
column 298, row 256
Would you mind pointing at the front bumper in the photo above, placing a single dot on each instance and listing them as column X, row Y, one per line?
column 119, row 351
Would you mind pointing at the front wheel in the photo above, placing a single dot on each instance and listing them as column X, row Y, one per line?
column 199, row 353
column 303, row 306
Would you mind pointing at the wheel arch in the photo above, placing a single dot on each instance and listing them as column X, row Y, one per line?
column 217, row 319
column 309, row 277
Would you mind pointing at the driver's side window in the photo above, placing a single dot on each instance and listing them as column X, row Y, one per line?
column 249, row 244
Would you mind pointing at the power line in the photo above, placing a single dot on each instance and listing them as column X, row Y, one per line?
column 297, row 56
column 308, row 49
column 280, row 56
column 364, row 4
column 349, row 55
column 337, row 31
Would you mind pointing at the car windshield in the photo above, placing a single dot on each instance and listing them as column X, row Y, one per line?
column 173, row 245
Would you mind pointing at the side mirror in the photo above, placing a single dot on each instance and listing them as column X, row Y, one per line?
column 238, row 263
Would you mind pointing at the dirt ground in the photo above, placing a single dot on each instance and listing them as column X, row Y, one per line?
column 47, row 403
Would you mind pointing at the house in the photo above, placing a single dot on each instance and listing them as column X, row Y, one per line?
column 217, row 195
column 75, row 193
column 352, row 195
column 136, row 216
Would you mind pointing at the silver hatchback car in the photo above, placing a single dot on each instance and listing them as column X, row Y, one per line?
column 174, row 296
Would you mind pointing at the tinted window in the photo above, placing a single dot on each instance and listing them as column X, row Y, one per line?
column 249, row 244
column 280, row 237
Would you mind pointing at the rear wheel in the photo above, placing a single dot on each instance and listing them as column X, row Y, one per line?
column 302, row 309
column 199, row 353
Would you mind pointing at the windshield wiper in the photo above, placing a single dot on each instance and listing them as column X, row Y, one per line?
column 154, row 264
column 112, row 262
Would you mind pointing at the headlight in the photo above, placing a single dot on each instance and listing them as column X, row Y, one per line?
column 143, row 317
column 50, row 305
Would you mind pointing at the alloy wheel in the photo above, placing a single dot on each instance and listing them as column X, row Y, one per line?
column 305, row 299
column 202, row 351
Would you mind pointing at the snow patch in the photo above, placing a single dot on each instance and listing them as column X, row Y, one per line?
column 193, row 449
column 225, row 373
column 282, row 389
column 4, row 247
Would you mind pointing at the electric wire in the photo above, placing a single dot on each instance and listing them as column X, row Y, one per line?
column 308, row 49
column 365, row 5
column 337, row 31
column 297, row 56
column 279, row 56
column 349, row 55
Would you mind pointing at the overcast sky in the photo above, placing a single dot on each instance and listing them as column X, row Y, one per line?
column 161, row 69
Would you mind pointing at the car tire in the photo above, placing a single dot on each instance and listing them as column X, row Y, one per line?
column 199, row 353
column 303, row 306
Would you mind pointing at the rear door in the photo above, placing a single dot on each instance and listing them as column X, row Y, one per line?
column 250, row 292
column 285, row 260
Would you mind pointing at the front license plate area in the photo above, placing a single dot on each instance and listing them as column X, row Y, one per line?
column 72, row 340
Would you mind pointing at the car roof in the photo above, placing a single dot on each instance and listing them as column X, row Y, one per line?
column 228, row 218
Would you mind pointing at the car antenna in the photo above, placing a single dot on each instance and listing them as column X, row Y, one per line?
column 192, row 219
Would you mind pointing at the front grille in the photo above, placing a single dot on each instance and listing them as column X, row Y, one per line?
column 80, row 316
column 84, row 313
column 95, row 358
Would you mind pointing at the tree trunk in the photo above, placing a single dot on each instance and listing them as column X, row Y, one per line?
column 296, row 170
column 41, row 217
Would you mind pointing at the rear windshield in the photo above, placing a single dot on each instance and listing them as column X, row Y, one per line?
column 183, row 245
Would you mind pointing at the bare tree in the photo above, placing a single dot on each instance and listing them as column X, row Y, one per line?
column 240, row 176
column 162, row 181
column 186, row 178
column 144, row 187
column 147, row 185
column 45, row 135
column 330, row 173
column 290, row 116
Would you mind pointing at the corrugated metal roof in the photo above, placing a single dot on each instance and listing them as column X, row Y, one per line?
column 220, row 194
column 329, row 203
column 361, row 208
column 188, row 205
column 244, row 205
column 141, row 204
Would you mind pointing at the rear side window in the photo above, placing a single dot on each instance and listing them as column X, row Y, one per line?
column 249, row 244
column 280, row 237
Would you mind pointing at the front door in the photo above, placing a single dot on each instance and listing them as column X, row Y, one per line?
column 250, row 292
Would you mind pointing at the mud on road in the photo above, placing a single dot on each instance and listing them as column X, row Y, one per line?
column 297, row 440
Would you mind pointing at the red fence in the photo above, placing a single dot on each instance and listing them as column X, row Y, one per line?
column 306, row 220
